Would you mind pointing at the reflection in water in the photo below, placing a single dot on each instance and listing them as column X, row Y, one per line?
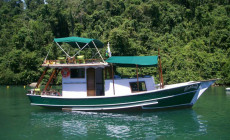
column 76, row 128
column 176, row 123
column 117, row 131
column 228, row 92
column 209, row 119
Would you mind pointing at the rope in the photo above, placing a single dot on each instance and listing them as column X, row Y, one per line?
column 47, row 54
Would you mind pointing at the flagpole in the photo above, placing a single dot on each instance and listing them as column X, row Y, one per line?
column 108, row 52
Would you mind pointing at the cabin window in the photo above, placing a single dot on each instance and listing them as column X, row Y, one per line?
column 77, row 73
column 134, row 87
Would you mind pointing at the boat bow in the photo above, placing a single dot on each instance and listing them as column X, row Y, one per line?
column 203, row 87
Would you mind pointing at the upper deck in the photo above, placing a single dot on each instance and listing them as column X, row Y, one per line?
column 74, row 63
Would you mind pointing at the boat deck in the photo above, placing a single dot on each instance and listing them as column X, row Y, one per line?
column 98, row 64
column 74, row 63
column 59, row 93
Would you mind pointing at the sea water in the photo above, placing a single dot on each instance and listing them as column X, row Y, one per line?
column 208, row 119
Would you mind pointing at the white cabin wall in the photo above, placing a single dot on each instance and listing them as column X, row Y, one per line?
column 77, row 87
column 150, row 83
column 122, row 86
column 74, row 87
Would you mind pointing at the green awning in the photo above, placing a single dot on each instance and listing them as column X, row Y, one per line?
column 131, row 61
column 81, row 41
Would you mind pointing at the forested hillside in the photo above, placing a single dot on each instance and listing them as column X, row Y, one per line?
column 193, row 35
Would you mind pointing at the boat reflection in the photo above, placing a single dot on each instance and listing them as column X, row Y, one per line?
column 227, row 92
column 174, row 123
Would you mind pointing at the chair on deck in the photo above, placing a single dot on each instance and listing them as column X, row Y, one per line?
column 80, row 59
column 61, row 60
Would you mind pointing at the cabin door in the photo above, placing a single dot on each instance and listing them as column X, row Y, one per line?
column 91, row 82
column 99, row 82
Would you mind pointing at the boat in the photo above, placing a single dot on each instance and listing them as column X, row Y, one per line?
column 227, row 89
column 91, row 84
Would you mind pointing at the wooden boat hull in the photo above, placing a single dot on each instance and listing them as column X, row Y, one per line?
column 185, row 95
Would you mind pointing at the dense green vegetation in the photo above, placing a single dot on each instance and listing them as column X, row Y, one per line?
column 193, row 35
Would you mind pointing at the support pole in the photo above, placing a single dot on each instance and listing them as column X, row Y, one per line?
column 54, row 77
column 80, row 49
column 78, row 45
column 113, row 80
column 42, row 76
column 50, row 79
column 160, row 69
column 98, row 52
column 137, row 78
column 159, row 75
column 62, row 49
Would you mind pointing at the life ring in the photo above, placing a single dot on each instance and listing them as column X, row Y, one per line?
column 65, row 72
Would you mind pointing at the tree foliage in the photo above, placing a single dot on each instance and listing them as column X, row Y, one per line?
column 193, row 35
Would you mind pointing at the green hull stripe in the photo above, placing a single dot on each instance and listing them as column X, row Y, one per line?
column 145, row 107
column 156, row 99
column 119, row 104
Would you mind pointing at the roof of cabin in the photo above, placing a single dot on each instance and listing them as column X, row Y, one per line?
column 80, row 41
column 130, row 61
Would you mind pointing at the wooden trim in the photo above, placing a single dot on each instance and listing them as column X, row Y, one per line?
column 113, row 80
column 160, row 69
column 42, row 76
column 76, row 65
column 50, row 79
column 71, row 60
column 54, row 77
column 159, row 75
column 91, row 81
column 137, row 78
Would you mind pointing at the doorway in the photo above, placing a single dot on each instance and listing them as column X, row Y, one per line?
column 91, row 82
column 99, row 82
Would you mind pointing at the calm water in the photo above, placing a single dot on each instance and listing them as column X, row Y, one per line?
column 208, row 119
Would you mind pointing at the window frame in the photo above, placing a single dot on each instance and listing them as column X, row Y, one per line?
column 140, row 82
column 77, row 77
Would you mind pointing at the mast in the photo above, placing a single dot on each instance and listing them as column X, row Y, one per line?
column 137, row 78
column 160, row 70
column 113, row 80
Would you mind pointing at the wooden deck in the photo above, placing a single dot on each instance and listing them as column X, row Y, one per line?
column 98, row 64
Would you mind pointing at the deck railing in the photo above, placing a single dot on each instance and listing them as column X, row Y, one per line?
column 72, row 61
column 52, row 92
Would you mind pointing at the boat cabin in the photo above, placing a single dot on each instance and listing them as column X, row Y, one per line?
column 83, row 77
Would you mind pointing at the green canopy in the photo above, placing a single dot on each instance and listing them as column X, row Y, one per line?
column 80, row 41
column 131, row 61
